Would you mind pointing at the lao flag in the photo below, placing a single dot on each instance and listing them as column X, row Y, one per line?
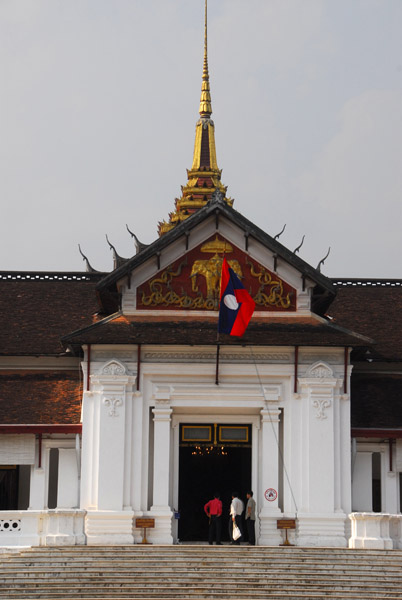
column 236, row 304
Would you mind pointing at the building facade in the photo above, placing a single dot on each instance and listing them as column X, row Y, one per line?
column 119, row 400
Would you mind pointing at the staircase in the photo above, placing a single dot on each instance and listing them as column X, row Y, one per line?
column 200, row 572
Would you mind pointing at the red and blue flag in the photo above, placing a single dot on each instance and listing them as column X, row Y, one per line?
column 236, row 304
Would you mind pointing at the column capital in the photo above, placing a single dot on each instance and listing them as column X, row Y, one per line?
column 270, row 415
column 162, row 413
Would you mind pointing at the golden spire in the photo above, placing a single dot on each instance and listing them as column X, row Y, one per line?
column 205, row 101
column 204, row 177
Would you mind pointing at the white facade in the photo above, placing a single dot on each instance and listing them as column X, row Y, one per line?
column 126, row 464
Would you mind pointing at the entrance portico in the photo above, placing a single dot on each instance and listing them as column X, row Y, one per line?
column 286, row 430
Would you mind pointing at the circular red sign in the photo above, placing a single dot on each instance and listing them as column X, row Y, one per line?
column 271, row 494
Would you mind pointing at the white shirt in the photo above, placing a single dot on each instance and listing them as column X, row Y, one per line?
column 237, row 507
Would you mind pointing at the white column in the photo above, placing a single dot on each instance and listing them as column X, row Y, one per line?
column 321, row 520
column 162, row 417
column 175, row 476
column 67, row 485
column 105, row 450
column 345, row 454
column 160, row 510
column 362, row 484
column 269, row 476
column 138, row 459
column 38, row 493
column 390, row 480
column 90, row 451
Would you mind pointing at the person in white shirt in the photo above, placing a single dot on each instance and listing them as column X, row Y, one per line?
column 250, row 518
column 236, row 509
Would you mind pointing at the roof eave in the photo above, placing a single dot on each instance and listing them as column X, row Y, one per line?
column 215, row 208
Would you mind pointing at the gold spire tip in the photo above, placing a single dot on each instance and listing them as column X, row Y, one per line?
column 205, row 101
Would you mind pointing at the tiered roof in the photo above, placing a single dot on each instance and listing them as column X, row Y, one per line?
column 204, row 177
column 373, row 307
column 35, row 397
column 38, row 308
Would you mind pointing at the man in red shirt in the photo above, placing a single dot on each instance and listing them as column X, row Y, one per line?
column 213, row 510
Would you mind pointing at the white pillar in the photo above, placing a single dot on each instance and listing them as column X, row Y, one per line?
column 345, row 455
column 269, row 477
column 38, row 493
column 162, row 534
column 389, row 479
column 162, row 417
column 67, row 485
column 90, row 451
column 321, row 521
column 105, row 448
column 138, row 458
column 362, row 484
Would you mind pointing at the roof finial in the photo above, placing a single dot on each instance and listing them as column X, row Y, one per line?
column 205, row 101
column 204, row 177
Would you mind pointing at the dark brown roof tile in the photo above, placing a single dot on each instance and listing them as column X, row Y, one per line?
column 40, row 397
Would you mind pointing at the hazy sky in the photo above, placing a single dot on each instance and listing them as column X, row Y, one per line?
column 98, row 105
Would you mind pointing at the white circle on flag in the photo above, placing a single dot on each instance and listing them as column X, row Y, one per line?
column 231, row 302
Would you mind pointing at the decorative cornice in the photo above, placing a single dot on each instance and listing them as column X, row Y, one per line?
column 210, row 357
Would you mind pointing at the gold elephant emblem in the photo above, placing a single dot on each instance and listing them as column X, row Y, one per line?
column 211, row 269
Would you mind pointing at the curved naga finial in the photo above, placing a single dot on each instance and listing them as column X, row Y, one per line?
column 117, row 259
column 139, row 246
column 299, row 246
column 88, row 267
column 322, row 261
column 278, row 235
column 111, row 246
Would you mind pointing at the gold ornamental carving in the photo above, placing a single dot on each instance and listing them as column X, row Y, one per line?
column 270, row 291
column 195, row 284
column 211, row 268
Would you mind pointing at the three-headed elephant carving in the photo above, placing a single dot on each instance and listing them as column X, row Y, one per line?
column 211, row 269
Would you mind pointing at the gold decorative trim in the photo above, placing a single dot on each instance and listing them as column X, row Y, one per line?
column 206, row 427
column 275, row 295
column 243, row 427
column 217, row 246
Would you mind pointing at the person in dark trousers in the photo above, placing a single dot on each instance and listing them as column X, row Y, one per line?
column 213, row 510
column 250, row 518
column 236, row 509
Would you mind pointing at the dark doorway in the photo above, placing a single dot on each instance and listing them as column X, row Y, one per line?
column 8, row 487
column 204, row 470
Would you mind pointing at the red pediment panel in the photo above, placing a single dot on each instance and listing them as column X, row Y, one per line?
column 193, row 281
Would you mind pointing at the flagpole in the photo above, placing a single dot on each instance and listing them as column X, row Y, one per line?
column 217, row 359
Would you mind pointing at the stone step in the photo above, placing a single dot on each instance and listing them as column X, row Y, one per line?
column 201, row 589
column 188, row 550
column 201, row 572
column 178, row 560
column 189, row 580
column 165, row 550
column 134, row 569
column 295, row 594
column 16, row 575
column 206, row 556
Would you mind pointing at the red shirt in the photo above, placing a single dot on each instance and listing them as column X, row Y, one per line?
column 213, row 507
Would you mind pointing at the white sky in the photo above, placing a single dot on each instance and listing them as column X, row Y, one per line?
column 98, row 105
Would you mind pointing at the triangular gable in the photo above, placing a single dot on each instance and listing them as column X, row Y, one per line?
column 248, row 235
column 192, row 282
